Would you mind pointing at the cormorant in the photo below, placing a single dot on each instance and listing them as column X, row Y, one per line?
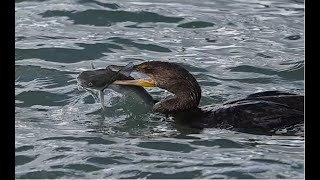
column 260, row 112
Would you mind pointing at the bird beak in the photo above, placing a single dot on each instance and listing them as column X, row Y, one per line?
column 138, row 82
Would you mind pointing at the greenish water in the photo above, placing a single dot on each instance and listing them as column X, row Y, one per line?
column 234, row 48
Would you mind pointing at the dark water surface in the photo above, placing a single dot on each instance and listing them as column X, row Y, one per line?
column 234, row 48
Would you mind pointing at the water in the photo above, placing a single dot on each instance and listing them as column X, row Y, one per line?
column 234, row 48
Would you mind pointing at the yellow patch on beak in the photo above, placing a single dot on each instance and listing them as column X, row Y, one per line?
column 138, row 82
column 141, row 67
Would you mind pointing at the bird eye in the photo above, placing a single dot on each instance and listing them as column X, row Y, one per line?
column 147, row 69
column 89, row 84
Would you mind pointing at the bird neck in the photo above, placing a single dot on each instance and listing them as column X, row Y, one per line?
column 187, row 96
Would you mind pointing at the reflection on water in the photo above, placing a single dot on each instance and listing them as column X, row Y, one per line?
column 233, row 48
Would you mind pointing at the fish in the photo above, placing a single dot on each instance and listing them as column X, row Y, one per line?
column 101, row 79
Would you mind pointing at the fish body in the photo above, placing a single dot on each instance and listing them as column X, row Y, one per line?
column 100, row 79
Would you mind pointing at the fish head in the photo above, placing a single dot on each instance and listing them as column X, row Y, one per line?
column 96, row 79
column 100, row 79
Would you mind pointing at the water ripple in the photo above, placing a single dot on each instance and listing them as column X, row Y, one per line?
column 108, row 5
column 108, row 18
column 196, row 24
